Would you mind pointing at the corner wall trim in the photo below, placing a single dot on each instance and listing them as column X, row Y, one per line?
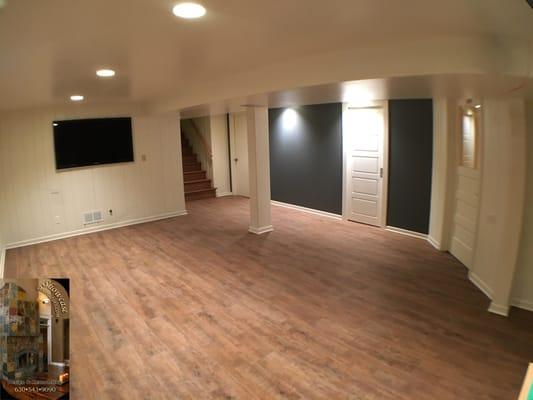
column 85, row 231
column 499, row 309
column 406, row 232
column 261, row 230
column 480, row 284
column 523, row 304
column 2, row 261
column 307, row 210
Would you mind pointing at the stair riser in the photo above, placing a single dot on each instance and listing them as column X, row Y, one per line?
column 189, row 159
column 192, row 167
column 201, row 195
column 197, row 186
column 194, row 177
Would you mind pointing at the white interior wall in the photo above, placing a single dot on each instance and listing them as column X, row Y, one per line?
column 220, row 148
column 41, row 203
column 523, row 282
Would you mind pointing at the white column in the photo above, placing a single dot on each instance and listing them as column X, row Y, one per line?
column 442, row 182
column 502, row 199
column 259, row 170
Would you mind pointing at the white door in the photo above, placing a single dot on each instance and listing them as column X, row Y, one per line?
column 466, row 210
column 365, row 135
column 239, row 154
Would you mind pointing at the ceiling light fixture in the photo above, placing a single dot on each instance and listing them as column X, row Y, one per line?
column 105, row 73
column 478, row 106
column 189, row 10
column 76, row 97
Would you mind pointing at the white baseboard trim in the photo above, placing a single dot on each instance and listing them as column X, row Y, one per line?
column 434, row 243
column 523, row 304
column 480, row 284
column 261, row 230
column 93, row 229
column 499, row 309
column 2, row 261
column 406, row 232
column 222, row 194
column 307, row 210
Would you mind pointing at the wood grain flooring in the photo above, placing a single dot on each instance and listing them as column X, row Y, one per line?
column 194, row 307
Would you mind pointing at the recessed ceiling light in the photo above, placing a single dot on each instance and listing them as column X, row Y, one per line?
column 189, row 10
column 76, row 97
column 105, row 73
column 478, row 106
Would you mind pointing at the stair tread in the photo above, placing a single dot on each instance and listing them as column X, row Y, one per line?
column 200, row 190
column 193, row 172
column 199, row 180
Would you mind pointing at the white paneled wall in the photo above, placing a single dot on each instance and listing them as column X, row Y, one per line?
column 40, row 203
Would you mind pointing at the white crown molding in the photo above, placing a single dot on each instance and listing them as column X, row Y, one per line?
column 307, row 210
column 93, row 229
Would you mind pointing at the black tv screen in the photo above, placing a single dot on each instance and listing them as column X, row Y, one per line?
column 83, row 142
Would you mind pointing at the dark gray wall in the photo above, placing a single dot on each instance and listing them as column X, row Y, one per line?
column 410, row 164
column 306, row 156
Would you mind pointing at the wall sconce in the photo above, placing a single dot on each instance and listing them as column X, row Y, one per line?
column 289, row 118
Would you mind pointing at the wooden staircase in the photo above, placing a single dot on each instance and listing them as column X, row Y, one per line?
column 196, row 184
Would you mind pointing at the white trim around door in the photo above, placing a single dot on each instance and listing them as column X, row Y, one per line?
column 373, row 178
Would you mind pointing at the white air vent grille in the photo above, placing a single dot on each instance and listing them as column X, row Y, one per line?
column 92, row 217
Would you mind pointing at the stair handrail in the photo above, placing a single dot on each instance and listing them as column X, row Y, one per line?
column 205, row 145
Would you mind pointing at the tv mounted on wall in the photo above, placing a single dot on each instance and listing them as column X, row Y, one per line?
column 85, row 142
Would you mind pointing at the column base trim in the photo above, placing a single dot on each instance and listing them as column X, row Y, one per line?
column 260, row 230
column 499, row 309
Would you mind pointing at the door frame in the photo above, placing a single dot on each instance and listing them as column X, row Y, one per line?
column 383, row 104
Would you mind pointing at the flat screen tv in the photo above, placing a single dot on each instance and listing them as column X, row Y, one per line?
column 84, row 142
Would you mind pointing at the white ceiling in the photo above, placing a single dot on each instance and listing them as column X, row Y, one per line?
column 51, row 49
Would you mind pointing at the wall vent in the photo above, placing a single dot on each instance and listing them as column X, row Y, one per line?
column 92, row 217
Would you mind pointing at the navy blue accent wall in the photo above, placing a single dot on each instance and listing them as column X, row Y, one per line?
column 306, row 156
column 410, row 164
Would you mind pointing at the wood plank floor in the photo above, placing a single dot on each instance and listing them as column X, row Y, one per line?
column 194, row 307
